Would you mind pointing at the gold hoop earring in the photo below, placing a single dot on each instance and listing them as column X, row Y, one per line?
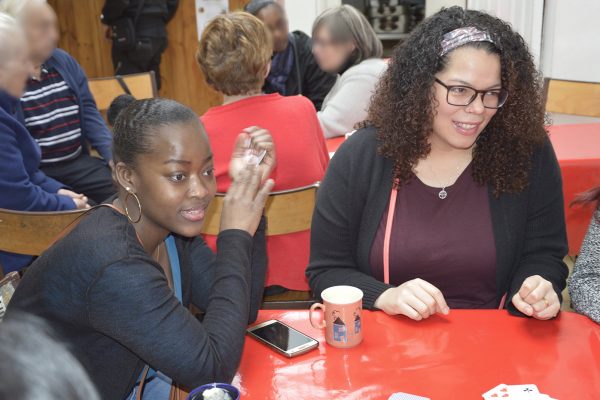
column 139, row 207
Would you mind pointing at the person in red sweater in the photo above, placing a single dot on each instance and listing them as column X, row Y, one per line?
column 234, row 54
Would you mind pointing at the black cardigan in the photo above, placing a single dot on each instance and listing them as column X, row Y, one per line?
column 529, row 227
column 111, row 303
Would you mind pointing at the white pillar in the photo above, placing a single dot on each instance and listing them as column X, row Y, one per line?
column 302, row 13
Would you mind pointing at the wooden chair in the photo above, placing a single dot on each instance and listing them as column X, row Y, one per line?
column 571, row 97
column 104, row 90
column 31, row 233
column 287, row 211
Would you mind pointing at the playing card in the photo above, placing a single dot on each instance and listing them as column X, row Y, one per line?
column 254, row 157
column 514, row 390
column 499, row 392
column 406, row 396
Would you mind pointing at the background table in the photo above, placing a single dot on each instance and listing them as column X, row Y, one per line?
column 577, row 148
column 444, row 358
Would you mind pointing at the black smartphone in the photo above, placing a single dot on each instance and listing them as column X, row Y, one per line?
column 282, row 338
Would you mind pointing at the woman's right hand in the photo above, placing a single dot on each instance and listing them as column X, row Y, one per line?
column 81, row 204
column 417, row 299
column 80, row 200
column 245, row 201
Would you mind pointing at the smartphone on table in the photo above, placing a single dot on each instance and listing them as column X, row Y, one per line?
column 283, row 338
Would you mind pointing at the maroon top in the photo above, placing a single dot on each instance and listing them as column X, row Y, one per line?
column 448, row 243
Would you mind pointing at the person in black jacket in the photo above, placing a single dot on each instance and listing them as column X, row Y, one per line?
column 117, row 288
column 293, row 68
column 451, row 195
column 149, row 19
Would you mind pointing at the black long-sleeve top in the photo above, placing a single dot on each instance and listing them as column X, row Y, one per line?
column 111, row 302
column 529, row 227
column 153, row 17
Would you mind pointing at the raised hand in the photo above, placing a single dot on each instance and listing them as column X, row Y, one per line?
column 259, row 140
column 245, row 200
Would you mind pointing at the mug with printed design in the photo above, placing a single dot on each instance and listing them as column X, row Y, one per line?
column 342, row 316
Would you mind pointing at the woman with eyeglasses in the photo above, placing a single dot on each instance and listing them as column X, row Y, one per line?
column 451, row 195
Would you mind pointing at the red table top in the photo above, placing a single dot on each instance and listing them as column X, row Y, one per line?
column 456, row 357
column 577, row 148
column 578, row 142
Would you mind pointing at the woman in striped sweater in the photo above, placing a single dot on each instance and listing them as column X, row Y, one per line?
column 22, row 185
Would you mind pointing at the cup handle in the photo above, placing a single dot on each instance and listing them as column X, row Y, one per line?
column 313, row 308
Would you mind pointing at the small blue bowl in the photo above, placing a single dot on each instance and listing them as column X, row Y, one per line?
column 196, row 394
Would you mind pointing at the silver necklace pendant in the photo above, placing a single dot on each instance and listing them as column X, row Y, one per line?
column 443, row 194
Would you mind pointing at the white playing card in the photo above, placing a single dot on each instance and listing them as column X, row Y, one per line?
column 406, row 396
column 522, row 389
column 499, row 392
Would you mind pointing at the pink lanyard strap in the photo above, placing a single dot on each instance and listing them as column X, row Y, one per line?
column 386, row 242
column 388, row 235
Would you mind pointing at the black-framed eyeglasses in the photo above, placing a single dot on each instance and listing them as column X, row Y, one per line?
column 461, row 95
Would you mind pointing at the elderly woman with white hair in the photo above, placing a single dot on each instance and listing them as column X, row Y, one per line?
column 58, row 108
column 22, row 185
column 345, row 43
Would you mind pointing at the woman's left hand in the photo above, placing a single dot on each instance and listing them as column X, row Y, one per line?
column 253, row 138
column 537, row 298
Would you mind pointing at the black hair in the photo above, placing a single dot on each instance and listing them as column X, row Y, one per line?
column 255, row 6
column 138, row 123
column 118, row 104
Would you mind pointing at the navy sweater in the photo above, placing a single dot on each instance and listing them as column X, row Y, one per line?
column 93, row 128
column 111, row 303
column 22, row 185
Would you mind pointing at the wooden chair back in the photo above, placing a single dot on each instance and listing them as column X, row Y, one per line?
column 571, row 97
column 140, row 86
column 31, row 233
column 287, row 211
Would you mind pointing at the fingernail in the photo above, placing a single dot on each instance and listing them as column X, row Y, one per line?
column 529, row 310
column 446, row 311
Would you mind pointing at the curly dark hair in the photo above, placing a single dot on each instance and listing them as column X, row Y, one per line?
column 403, row 106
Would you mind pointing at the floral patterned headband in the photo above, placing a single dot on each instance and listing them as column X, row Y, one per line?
column 461, row 36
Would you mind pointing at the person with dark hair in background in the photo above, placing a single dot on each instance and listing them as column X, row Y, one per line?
column 293, row 66
column 118, row 286
column 450, row 196
column 138, row 29
column 34, row 365
column 584, row 284
column 58, row 108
